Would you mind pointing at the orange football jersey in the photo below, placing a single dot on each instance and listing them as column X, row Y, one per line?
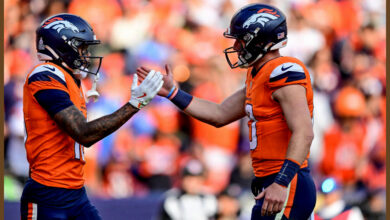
column 55, row 159
column 269, row 134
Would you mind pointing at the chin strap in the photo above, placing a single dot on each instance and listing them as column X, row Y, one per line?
column 92, row 93
column 80, row 73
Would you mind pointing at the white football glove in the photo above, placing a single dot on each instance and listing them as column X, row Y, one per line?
column 142, row 94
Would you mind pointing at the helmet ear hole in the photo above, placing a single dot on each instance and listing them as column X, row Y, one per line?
column 247, row 56
column 77, row 63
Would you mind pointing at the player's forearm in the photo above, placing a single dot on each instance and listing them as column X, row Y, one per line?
column 87, row 133
column 100, row 128
column 299, row 145
column 218, row 115
column 297, row 151
column 205, row 111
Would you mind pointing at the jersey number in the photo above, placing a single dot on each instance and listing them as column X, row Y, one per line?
column 78, row 150
column 252, row 127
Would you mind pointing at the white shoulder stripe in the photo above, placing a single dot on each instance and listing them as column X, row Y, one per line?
column 286, row 67
column 50, row 68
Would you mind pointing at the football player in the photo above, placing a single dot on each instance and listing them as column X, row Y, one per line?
column 278, row 99
column 55, row 119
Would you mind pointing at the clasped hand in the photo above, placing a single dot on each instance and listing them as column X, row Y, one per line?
column 142, row 94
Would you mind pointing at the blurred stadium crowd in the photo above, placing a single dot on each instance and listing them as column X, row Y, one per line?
column 341, row 41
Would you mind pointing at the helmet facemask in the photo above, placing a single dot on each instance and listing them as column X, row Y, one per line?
column 250, row 51
column 84, row 62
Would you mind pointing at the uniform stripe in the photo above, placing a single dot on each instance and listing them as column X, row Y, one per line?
column 285, row 67
column 291, row 76
column 77, row 150
column 82, row 152
column 32, row 211
column 45, row 76
column 25, row 133
column 311, row 216
column 289, row 201
column 279, row 216
column 49, row 67
column 29, row 211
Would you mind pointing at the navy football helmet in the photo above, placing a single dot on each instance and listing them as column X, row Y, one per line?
column 64, row 39
column 261, row 28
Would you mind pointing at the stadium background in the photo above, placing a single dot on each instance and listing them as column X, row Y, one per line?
column 341, row 41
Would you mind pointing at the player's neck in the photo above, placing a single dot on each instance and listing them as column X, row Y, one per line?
column 267, row 57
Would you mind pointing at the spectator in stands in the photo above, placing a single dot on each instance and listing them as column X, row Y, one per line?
column 334, row 206
column 344, row 142
column 190, row 201
column 375, row 206
column 228, row 206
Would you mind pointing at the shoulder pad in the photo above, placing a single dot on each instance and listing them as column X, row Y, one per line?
column 50, row 68
column 42, row 72
column 292, row 71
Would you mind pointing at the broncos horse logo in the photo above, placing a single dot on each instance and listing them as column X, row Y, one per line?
column 263, row 16
column 59, row 24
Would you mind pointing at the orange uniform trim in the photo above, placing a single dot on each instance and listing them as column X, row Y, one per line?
column 292, row 160
column 291, row 196
column 29, row 211
column 32, row 211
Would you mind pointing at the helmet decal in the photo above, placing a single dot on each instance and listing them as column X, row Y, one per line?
column 60, row 24
column 261, row 17
column 269, row 11
column 51, row 20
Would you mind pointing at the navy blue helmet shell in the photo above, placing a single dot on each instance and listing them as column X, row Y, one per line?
column 261, row 27
column 60, row 37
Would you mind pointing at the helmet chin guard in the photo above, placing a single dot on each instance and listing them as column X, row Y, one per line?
column 80, row 74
